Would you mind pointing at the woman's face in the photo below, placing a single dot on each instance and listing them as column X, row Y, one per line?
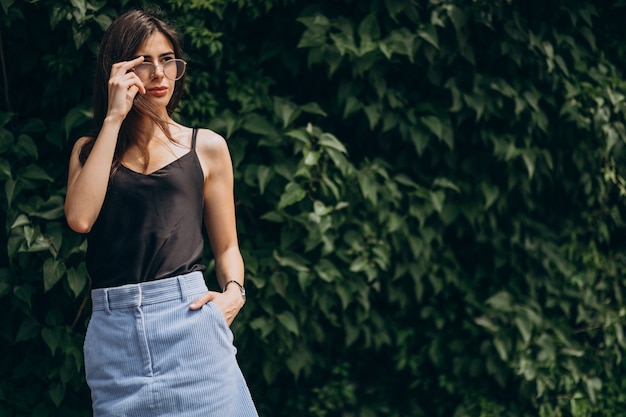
column 157, row 50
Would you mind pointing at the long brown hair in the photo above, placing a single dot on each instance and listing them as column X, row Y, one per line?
column 120, row 42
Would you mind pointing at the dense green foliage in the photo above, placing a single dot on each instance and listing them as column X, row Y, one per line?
column 429, row 193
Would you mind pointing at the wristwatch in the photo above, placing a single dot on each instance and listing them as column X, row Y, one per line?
column 243, row 290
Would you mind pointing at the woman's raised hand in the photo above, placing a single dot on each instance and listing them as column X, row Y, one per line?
column 124, row 85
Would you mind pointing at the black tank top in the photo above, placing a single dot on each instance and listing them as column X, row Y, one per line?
column 150, row 226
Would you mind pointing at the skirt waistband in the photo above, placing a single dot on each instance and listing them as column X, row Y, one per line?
column 151, row 292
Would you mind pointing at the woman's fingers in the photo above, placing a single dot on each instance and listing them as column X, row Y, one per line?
column 132, row 91
column 123, row 76
column 126, row 80
column 124, row 85
column 228, row 304
column 202, row 300
column 125, row 66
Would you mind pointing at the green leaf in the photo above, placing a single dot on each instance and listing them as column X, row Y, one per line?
column 327, row 140
column 27, row 144
column 34, row 172
column 386, row 49
column 50, row 209
column 300, row 134
column 562, row 65
column 359, row 264
column 353, row 105
column 369, row 32
column 293, row 193
column 80, row 8
column 52, row 339
column 5, row 117
column 429, row 34
column 487, row 323
column 76, row 281
column 578, row 353
column 529, row 161
column 437, row 198
column 440, row 128
column 459, row 20
column 103, row 21
column 34, row 126
column 502, row 301
column 259, row 125
column 593, row 385
column 490, row 192
column 373, row 113
column 285, row 110
column 501, row 348
column 292, row 261
column 264, row 175
column 344, row 43
column 9, row 190
column 311, row 158
column 341, row 162
column 420, row 139
column 5, row 170
column 288, row 320
column 326, row 270
column 29, row 329
column 80, row 36
column 297, row 361
column 368, row 186
column 53, row 271
column 446, row 183
column 57, row 393
column 313, row 108
column 525, row 328
column 345, row 295
column 20, row 221
column 273, row 216
column 6, row 4
column 405, row 180
column 24, row 293
column 264, row 325
column 369, row 27
column 589, row 36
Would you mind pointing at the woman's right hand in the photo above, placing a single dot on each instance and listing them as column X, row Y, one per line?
column 87, row 182
column 124, row 85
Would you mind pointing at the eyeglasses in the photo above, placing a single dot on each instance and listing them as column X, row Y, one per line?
column 174, row 69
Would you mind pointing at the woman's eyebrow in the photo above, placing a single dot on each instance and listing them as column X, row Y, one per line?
column 163, row 55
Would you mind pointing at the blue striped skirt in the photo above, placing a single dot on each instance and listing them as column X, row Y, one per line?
column 147, row 354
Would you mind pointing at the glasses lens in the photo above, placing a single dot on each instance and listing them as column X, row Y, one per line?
column 144, row 71
column 174, row 69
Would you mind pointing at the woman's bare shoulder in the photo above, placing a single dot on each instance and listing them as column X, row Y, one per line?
column 213, row 152
column 209, row 139
column 211, row 145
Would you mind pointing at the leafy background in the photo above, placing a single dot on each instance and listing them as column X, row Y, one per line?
column 429, row 194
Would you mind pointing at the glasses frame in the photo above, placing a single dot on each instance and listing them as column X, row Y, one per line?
column 174, row 61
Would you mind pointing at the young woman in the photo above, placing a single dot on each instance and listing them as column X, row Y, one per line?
column 158, row 343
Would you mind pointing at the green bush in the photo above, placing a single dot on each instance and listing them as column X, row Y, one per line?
column 429, row 195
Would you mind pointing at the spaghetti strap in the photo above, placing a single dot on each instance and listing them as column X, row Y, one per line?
column 193, row 137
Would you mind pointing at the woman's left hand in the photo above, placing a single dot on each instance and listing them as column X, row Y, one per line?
column 229, row 302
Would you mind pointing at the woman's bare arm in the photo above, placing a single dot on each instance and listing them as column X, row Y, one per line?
column 219, row 218
column 87, row 184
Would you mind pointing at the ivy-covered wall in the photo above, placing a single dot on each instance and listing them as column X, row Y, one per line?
column 430, row 200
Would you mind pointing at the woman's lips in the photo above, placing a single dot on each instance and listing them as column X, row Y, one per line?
column 158, row 91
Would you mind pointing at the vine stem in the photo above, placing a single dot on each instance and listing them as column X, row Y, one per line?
column 80, row 311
